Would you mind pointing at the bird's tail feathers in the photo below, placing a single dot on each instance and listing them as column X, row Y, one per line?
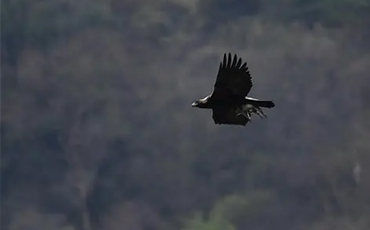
column 266, row 104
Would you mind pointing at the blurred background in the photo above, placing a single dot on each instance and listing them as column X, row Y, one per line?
column 98, row 132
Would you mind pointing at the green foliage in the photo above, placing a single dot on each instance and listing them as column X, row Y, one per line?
column 226, row 212
column 213, row 223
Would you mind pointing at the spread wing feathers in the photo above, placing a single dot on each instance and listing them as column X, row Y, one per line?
column 224, row 115
column 233, row 77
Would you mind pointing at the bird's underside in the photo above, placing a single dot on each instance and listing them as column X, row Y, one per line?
column 236, row 115
column 247, row 110
column 229, row 101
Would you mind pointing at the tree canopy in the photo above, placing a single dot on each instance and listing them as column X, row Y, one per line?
column 97, row 131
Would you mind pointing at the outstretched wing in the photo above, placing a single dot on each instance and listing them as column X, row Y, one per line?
column 233, row 78
column 222, row 115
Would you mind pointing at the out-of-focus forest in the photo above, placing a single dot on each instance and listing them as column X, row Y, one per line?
column 97, row 131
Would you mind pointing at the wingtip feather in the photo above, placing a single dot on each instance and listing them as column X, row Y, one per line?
column 239, row 63
column 229, row 61
column 233, row 65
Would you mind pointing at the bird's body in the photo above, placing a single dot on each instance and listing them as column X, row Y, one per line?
column 229, row 101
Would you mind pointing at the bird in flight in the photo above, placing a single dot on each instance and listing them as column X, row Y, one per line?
column 229, row 102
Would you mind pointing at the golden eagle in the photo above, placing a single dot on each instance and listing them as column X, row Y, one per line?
column 229, row 101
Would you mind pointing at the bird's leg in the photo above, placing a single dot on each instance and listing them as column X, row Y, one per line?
column 260, row 112
column 246, row 114
column 249, row 112
column 239, row 112
column 257, row 110
column 253, row 110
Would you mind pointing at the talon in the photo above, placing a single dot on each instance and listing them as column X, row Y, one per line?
column 263, row 114
column 260, row 113
column 246, row 115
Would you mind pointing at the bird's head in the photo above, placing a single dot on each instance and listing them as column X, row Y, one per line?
column 201, row 103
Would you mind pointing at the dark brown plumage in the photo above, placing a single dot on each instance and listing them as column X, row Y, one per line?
column 229, row 101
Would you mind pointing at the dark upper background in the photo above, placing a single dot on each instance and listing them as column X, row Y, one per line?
column 97, row 131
